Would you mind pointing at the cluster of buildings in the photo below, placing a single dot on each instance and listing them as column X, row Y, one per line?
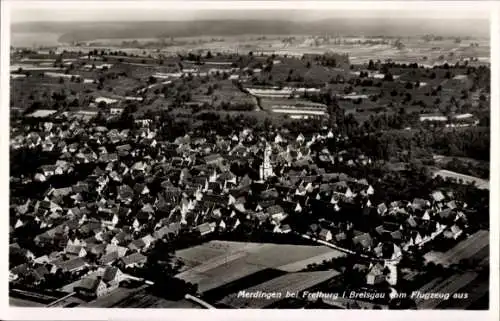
column 111, row 194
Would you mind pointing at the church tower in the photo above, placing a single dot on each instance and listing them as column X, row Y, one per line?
column 266, row 169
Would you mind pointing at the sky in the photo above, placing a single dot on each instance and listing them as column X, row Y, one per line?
column 140, row 10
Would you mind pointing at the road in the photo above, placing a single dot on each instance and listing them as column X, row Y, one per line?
column 386, row 261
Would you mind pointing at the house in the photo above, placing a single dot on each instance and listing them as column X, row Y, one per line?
column 213, row 159
column 42, row 259
column 18, row 271
column 46, row 206
column 276, row 212
column 73, row 265
column 284, row 229
column 115, row 111
column 375, row 275
column 137, row 245
column 39, row 274
column 75, row 250
column 148, row 240
column 205, row 228
column 91, row 287
column 96, row 249
column 120, row 250
column 325, row 235
column 341, row 236
column 364, row 240
column 125, row 193
column 121, row 238
column 453, row 232
column 113, row 275
column 109, row 258
column 133, row 260
column 167, row 229
column 419, row 204
column 381, row 209
column 437, row 196
column 48, row 170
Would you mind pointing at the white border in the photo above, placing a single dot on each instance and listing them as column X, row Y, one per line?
column 422, row 6
column 157, row 314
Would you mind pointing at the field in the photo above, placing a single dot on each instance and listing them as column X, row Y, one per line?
column 469, row 248
column 215, row 264
column 21, row 303
column 480, row 183
column 201, row 254
column 136, row 298
column 293, row 283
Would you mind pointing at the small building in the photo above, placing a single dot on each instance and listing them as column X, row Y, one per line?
column 325, row 235
column 134, row 260
column 375, row 275
column 91, row 287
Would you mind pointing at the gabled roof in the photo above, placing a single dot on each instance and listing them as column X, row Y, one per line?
column 72, row 264
column 438, row 196
column 212, row 158
column 134, row 258
column 125, row 191
column 363, row 239
column 89, row 284
column 377, row 269
column 171, row 228
column 324, row 232
column 139, row 243
column 73, row 249
column 204, row 228
column 275, row 209
column 109, row 258
column 110, row 273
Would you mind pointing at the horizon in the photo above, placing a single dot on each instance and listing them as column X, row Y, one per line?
column 111, row 11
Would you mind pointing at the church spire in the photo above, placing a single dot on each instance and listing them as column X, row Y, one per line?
column 266, row 169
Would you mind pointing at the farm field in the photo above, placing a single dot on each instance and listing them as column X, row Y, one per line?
column 476, row 243
column 213, row 250
column 143, row 299
column 480, row 183
column 215, row 265
column 17, row 302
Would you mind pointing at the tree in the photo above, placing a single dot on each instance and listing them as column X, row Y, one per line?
column 388, row 77
column 371, row 65
column 152, row 80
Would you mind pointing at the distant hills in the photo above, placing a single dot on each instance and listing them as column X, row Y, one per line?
column 87, row 31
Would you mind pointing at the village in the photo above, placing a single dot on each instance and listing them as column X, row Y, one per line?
column 97, row 212
column 218, row 173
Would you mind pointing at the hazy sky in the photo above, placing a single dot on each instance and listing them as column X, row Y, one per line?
column 140, row 10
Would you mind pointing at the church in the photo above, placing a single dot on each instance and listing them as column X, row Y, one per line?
column 266, row 169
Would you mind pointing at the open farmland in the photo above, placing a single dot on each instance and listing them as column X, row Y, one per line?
column 17, row 302
column 466, row 179
column 213, row 250
column 469, row 248
column 144, row 299
column 214, row 265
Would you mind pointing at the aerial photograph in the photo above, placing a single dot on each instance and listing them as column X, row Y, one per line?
column 249, row 159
